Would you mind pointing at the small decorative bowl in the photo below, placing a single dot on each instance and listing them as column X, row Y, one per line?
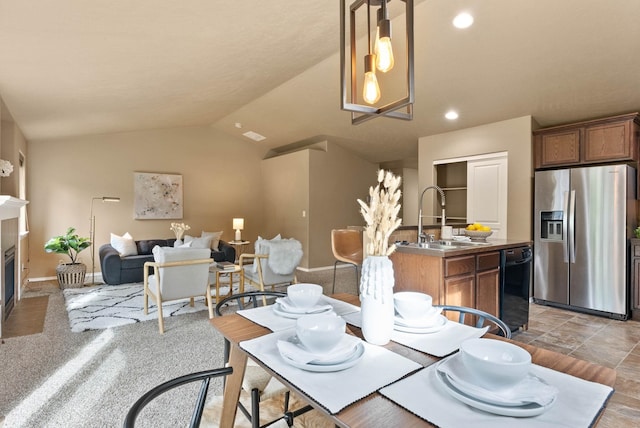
column 478, row 235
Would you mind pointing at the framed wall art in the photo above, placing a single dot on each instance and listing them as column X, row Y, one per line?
column 157, row 196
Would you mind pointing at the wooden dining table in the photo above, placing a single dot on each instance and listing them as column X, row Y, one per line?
column 374, row 410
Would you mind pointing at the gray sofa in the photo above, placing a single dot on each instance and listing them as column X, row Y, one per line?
column 122, row 270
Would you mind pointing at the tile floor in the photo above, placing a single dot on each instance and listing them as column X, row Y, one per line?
column 611, row 343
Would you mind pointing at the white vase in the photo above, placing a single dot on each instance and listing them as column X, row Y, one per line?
column 177, row 243
column 376, row 299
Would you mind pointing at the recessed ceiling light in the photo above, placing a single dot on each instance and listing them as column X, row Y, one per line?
column 451, row 115
column 463, row 20
column 254, row 136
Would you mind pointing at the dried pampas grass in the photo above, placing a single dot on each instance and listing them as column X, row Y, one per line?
column 381, row 214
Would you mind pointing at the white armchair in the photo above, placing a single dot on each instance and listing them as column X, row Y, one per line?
column 178, row 273
column 274, row 263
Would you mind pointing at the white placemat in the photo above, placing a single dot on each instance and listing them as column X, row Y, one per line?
column 334, row 390
column 266, row 317
column 440, row 343
column 578, row 403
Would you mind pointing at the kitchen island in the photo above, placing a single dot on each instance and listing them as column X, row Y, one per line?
column 454, row 273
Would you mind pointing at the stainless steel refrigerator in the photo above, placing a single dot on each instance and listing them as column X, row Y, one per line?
column 583, row 220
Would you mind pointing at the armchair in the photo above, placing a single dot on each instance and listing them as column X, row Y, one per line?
column 274, row 263
column 178, row 273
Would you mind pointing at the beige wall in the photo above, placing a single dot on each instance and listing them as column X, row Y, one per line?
column 512, row 136
column 12, row 142
column 221, row 178
column 338, row 179
column 285, row 183
column 324, row 183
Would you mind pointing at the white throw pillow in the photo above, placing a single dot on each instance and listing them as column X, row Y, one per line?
column 125, row 245
column 200, row 243
column 215, row 239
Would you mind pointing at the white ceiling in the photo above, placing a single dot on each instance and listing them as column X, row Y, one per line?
column 77, row 67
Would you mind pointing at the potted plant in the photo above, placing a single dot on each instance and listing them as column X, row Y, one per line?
column 69, row 274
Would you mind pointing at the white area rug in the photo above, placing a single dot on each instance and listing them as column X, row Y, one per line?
column 106, row 306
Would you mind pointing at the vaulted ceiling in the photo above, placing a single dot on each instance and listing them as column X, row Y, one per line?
column 74, row 67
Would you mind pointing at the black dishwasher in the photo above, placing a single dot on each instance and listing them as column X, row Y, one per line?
column 515, row 276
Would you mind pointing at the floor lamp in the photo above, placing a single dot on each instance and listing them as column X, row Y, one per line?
column 92, row 232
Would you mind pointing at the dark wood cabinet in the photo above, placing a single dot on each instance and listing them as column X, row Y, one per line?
column 558, row 149
column 612, row 139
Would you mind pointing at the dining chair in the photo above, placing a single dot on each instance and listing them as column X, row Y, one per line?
column 260, row 384
column 178, row 273
column 346, row 245
column 204, row 377
column 482, row 317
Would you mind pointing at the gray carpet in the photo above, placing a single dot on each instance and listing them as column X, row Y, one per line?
column 62, row 379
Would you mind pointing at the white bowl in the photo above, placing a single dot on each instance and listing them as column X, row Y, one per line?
column 304, row 295
column 495, row 364
column 478, row 235
column 411, row 304
column 320, row 333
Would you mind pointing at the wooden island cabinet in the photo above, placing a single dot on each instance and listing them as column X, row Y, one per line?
column 468, row 276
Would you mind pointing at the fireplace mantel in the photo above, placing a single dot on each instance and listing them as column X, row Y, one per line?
column 10, row 206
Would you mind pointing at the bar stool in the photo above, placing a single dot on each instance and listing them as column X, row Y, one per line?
column 346, row 245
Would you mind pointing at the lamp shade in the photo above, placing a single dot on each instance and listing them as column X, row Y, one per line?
column 238, row 223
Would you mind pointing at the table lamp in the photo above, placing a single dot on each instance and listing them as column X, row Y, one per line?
column 238, row 225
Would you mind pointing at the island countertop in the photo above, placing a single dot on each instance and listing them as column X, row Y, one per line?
column 461, row 248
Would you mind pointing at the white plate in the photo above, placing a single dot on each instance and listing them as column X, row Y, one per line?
column 279, row 311
column 288, row 306
column 428, row 320
column 357, row 356
column 524, row 411
column 354, row 341
column 439, row 325
column 459, row 376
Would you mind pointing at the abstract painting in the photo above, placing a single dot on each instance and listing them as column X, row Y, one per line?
column 157, row 196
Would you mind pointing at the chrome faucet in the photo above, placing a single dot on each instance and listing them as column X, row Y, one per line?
column 422, row 237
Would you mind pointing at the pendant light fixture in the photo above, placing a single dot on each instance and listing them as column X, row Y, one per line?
column 363, row 103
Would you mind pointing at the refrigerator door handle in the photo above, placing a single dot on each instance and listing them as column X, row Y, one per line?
column 565, row 228
column 571, row 237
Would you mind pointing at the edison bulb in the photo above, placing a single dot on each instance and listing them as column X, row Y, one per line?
column 371, row 91
column 384, row 54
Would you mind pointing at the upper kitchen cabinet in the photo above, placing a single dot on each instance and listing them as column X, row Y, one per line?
column 612, row 139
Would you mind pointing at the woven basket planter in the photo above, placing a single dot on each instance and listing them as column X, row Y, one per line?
column 71, row 275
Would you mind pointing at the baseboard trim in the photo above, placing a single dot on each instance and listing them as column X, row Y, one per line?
column 87, row 279
column 321, row 268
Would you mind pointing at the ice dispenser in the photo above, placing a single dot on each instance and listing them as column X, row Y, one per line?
column 551, row 225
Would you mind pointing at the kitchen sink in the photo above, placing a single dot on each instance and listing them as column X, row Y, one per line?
column 443, row 245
